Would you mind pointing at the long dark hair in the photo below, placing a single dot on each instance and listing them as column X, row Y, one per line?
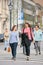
column 13, row 27
column 28, row 25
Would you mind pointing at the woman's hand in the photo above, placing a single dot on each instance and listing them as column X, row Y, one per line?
column 33, row 41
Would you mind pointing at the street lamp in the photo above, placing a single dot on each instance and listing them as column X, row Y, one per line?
column 33, row 19
column 10, row 10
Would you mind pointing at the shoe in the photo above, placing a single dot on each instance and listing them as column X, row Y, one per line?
column 5, row 49
column 39, row 53
column 13, row 58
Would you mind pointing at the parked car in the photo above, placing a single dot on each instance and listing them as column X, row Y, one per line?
column 1, row 37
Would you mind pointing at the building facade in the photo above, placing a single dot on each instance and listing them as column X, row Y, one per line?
column 3, row 14
column 22, row 11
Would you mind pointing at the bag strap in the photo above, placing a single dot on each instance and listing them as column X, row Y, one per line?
column 31, row 32
column 23, row 30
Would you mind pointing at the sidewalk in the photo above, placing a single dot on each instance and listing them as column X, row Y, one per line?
column 19, row 52
column 21, row 59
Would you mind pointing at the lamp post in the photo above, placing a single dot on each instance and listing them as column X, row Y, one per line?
column 10, row 10
column 34, row 14
column 17, row 14
column 33, row 19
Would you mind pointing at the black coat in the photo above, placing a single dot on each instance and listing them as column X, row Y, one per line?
column 25, row 39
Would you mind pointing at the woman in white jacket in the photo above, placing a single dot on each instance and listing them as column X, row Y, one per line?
column 38, row 39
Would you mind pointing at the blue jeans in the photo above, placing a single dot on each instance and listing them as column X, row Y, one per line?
column 13, row 48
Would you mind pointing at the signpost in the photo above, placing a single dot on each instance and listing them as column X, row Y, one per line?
column 20, row 17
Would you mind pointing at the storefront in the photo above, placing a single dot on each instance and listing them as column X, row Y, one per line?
column 29, row 11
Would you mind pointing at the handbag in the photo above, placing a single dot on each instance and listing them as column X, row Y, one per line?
column 25, row 39
column 8, row 49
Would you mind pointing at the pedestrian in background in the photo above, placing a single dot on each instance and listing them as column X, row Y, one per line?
column 34, row 41
column 6, row 39
column 27, row 38
column 37, row 39
column 13, row 40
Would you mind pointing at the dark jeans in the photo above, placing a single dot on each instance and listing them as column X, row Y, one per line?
column 13, row 48
column 28, row 48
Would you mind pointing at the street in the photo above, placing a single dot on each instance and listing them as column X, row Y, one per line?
column 25, row 17
column 5, row 57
